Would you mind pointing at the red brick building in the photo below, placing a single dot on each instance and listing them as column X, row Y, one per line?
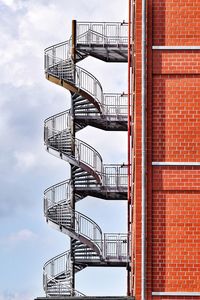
column 172, row 143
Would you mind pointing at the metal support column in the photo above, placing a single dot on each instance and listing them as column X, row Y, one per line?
column 73, row 200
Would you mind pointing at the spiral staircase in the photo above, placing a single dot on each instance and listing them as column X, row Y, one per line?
column 89, row 175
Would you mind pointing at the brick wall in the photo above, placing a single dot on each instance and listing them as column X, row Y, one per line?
column 176, row 22
column 173, row 135
column 176, row 117
column 176, row 241
column 176, row 138
column 136, row 226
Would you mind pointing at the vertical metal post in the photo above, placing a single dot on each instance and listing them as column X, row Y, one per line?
column 73, row 153
column 144, row 93
column 74, row 75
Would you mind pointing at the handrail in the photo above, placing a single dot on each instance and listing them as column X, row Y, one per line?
column 88, row 228
column 64, row 185
column 52, row 269
column 115, row 245
column 102, row 28
column 88, row 155
column 102, row 32
column 58, row 193
column 84, row 226
column 83, row 152
column 55, row 46
column 58, row 265
column 84, row 80
column 61, row 50
column 112, row 174
column 115, row 175
column 60, row 121
column 89, row 83
column 114, row 104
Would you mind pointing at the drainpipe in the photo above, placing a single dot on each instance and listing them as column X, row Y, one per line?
column 143, row 266
column 129, row 142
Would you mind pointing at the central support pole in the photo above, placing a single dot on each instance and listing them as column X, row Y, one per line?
column 143, row 254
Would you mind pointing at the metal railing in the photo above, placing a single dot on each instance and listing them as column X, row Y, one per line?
column 86, row 227
column 63, row 69
column 59, row 141
column 88, row 33
column 58, row 197
column 102, row 33
column 115, row 175
column 60, row 51
column 61, row 192
column 59, row 122
column 115, row 246
column 57, row 265
column 88, row 83
column 63, row 215
column 62, row 140
column 115, row 105
column 110, row 104
column 88, row 155
column 84, row 80
column 60, row 264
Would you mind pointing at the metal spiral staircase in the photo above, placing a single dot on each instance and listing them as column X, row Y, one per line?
column 89, row 175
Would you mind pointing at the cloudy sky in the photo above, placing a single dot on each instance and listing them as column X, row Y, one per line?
column 26, row 241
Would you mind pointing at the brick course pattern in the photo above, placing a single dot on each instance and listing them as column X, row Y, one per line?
column 176, row 22
column 176, row 241
column 176, row 138
column 184, row 178
column 176, row 118
column 176, row 62
column 173, row 135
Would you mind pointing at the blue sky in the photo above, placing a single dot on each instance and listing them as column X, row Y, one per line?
column 26, row 99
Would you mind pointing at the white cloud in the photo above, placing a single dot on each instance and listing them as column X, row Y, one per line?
column 15, row 5
column 22, row 235
column 9, row 3
column 24, row 160
column 15, row 296
column 22, row 54
column 26, row 28
column 15, row 238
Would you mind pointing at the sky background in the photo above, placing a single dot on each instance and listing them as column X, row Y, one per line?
column 26, row 169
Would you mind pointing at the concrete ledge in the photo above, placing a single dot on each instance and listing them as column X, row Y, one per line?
column 183, row 294
column 176, row 47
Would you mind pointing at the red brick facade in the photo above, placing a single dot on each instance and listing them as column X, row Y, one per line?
column 173, row 151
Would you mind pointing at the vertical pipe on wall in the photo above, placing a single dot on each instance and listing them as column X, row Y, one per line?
column 143, row 254
column 129, row 139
